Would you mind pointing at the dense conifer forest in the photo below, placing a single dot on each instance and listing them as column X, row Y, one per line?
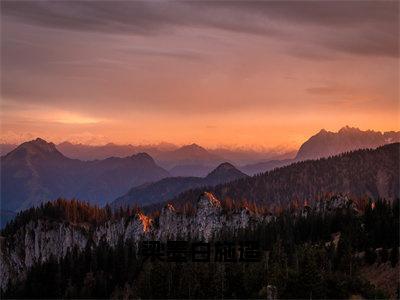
column 313, row 255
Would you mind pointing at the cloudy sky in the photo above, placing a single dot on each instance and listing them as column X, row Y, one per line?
column 254, row 74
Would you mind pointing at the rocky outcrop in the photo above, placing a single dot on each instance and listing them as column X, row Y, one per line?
column 209, row 219
column 326, row 206
column 38, row 241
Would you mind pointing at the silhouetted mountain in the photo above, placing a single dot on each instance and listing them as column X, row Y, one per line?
column 189, row 160
column 225, row 172
column 168, row 188
column 326, row 143
column 192, row 152
column 164, row 152
column 188, row 155
column 36, row 171
column 87, row 152
column 37, row 149
column 370, row 173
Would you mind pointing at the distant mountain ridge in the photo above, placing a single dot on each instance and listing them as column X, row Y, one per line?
column 188, row 160
column 327, row 143
column 88, row 152
column 36, row 171
column 169, row 188
column 165, row 155
column 189, row 155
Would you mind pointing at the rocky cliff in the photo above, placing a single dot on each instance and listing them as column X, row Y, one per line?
column 39, row 240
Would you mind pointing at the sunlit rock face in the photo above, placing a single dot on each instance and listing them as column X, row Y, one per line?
column 173, row 225
column 208, row 219
column 40, row 240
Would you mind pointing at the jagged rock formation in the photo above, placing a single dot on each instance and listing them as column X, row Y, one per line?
column 38, row 241
column 327, row 143
column 337, row 202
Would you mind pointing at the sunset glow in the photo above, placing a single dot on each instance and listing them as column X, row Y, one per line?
column 183, row 72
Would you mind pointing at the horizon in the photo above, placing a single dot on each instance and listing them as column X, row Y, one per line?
column 254, row 75
column 167, row 146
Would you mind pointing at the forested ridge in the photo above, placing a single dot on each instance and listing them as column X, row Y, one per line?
column 361, row 173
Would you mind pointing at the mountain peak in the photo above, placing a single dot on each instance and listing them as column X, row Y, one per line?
column 195, row 145
column 42, row 145
column 326, row 143
column 322, row 131
column 226, row 172
column 40, row 140
column 191, row 153
column 192, row 147
column 348, row 129
column 36, row 148
column 225, row 167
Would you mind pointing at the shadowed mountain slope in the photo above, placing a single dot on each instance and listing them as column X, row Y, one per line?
column 168, row 188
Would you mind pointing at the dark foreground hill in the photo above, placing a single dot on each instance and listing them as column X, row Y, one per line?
column 362, row 173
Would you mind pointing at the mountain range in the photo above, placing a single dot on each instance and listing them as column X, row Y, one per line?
column 36, row 171
column 194, row 160
column 327, row 143
column 169, row 155
column 169, row 188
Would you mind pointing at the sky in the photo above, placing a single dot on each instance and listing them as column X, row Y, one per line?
column 258, row 74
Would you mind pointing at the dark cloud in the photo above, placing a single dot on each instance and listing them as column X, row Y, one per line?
column 135, row 17
column 359, row 27
column 176, row 53
column 184, row 56
column 323, row 13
